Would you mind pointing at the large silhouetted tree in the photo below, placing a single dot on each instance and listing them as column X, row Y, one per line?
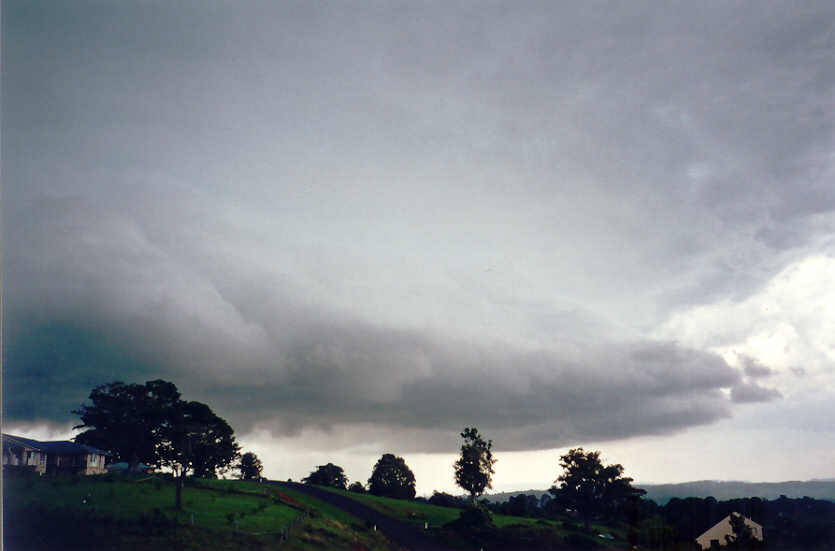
column 589, row 487
column 474, row 469
column 391, row 477
column 150, row 423
column 127, row 420
column 328, row 475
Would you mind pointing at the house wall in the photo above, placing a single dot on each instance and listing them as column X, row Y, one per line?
column 81, row 464
column 94, row 464
column 21, row 456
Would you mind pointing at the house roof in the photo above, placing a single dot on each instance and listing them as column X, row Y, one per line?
column 723, row 528
column 59, row 447
column 25, row 443
column 65, row 447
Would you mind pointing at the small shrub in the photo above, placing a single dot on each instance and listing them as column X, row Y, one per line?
column 230, row 518
column 473, row 518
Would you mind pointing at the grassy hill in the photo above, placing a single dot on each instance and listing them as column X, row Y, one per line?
column 137, row 513
column 511, row 532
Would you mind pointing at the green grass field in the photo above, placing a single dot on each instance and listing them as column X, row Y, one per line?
column 329, row 527
column 418, row 513
column 131, row 498
column 137, row 513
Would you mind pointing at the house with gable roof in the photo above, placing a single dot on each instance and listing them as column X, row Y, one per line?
column 715, row 535
column 58, row 456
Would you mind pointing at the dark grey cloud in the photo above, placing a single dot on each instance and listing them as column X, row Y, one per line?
column 351, row 373
column 109, row 302
column 753, row 368
column 751, row 392
column 347, row 214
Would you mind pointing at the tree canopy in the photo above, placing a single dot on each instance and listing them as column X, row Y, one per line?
column 328, row 475
column 126, row 420
column 250, row 467
column 150, row 423
column 589, row 487
column 391, row 477
column 474, row 469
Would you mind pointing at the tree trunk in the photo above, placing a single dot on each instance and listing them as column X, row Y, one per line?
column 180, row 479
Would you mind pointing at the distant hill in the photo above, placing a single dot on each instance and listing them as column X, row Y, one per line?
column 729, row 489
column 720, row 489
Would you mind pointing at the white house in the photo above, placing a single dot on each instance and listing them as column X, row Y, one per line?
column 723, row 528
column 52, row 457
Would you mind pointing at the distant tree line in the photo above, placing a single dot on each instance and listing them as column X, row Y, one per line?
column 801, row 523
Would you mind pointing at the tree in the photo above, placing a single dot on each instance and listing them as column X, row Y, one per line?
column 741, row 537
column 589, row 487
column 474, row 469
column 391, row 477
column 521, row 505
column 127, row 420
column 250, row 467
column 328, row 475
column 357, row 487
column 196, row 439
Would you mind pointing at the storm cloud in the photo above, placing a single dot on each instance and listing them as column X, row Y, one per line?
column 752, row 392
column 406, row 218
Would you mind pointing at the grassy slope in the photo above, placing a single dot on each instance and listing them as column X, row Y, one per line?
column 131, row 513
column 328, row 526
column 418, row 513
column 129, row 499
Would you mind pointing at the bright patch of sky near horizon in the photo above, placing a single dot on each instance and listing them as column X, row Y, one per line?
column 354, row 230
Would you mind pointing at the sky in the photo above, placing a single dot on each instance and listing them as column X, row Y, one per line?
column 357, row 228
